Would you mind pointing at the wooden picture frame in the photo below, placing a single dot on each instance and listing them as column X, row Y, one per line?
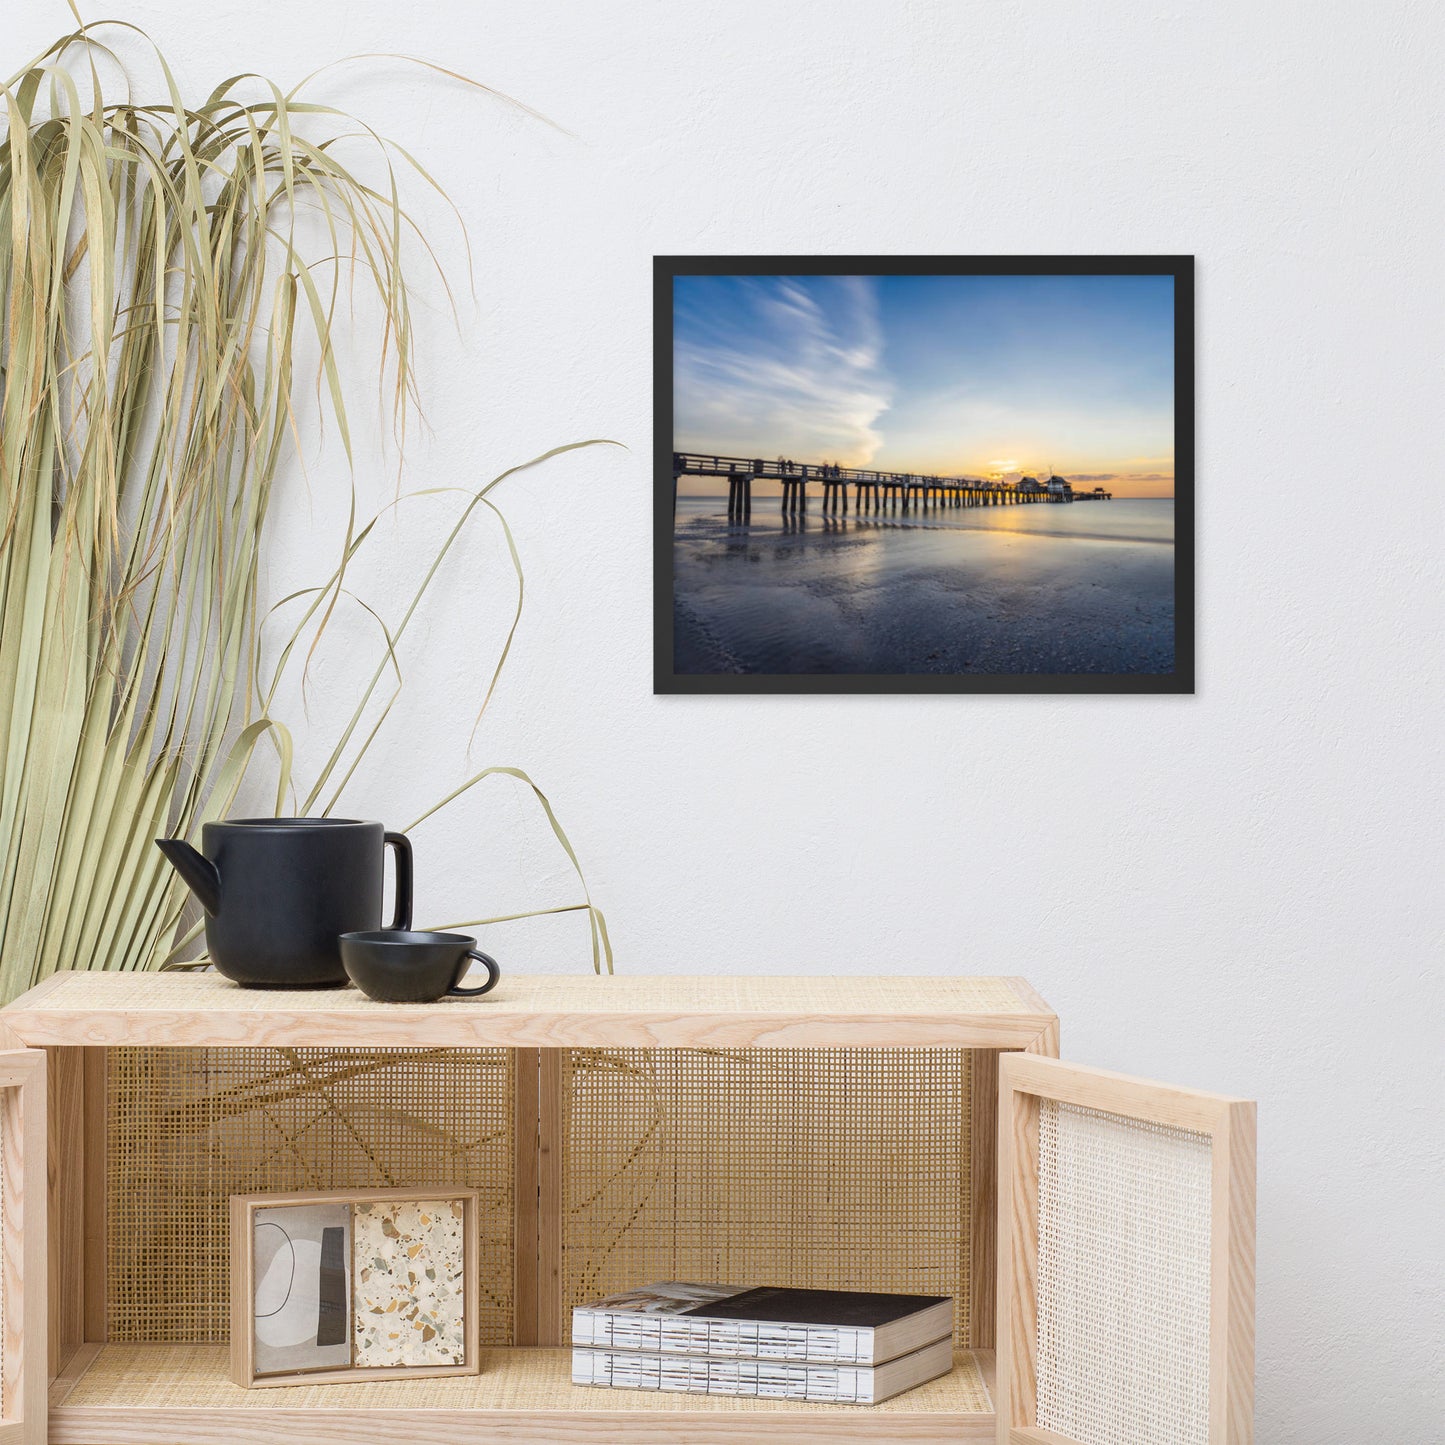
column 244, row 1209
column 1026, row 1083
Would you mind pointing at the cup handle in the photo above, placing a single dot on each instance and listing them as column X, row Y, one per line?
column 399, row 841
column 494, row 972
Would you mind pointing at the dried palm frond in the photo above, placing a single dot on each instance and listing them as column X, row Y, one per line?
column 156, row 293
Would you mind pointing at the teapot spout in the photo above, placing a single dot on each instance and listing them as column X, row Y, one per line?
column 199, row 873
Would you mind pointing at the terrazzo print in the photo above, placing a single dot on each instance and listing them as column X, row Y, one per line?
column 409, row 1290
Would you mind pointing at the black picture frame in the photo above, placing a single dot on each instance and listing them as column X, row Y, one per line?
column 666, row 680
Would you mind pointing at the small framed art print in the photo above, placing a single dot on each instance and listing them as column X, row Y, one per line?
column 889, row 474
column 356, row 1285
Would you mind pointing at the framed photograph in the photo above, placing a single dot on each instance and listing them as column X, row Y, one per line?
column 358, row 1285
column 924, row 474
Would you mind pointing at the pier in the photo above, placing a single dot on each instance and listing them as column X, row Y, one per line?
column 873, row 491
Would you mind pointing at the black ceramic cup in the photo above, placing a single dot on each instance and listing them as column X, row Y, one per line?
column 393, row 965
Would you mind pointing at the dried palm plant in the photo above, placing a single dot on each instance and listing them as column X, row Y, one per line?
column 156, row 293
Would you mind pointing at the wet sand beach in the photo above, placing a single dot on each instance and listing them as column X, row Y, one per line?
column 1086, row 587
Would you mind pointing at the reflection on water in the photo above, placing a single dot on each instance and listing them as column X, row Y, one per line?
column 1080, row 587
column 1140, row 520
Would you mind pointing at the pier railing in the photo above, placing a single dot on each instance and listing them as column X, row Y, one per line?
column 699, row 464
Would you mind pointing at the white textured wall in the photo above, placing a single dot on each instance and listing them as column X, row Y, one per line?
column 1239, row 890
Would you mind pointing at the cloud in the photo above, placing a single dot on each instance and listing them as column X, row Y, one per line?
column 780, row 365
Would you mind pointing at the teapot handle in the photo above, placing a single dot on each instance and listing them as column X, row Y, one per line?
column 402, row 844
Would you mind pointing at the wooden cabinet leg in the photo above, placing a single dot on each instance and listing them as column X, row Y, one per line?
column 94, row 1070
column 65, row 1087
column 75, row 1084
column 526, row 1105
column 983, row 1232
column 537, row 1176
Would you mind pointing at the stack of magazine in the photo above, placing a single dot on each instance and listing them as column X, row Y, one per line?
column 828, row 1346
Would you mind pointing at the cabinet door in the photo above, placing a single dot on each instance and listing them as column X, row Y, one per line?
column 23, row 1260
column 1126, row 1260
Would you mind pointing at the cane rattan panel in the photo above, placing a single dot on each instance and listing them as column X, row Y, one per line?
column 1123, row 1279
column 187, row 1128
column 825, row 1168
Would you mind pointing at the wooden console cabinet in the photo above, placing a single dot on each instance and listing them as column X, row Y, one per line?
column 833, row 1131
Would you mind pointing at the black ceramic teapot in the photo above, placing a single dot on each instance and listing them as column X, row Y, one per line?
column 279, row 891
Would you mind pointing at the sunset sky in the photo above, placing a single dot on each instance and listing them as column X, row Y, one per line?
column 950, row 375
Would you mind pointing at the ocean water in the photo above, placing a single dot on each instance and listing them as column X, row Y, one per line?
column 1086, row 587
